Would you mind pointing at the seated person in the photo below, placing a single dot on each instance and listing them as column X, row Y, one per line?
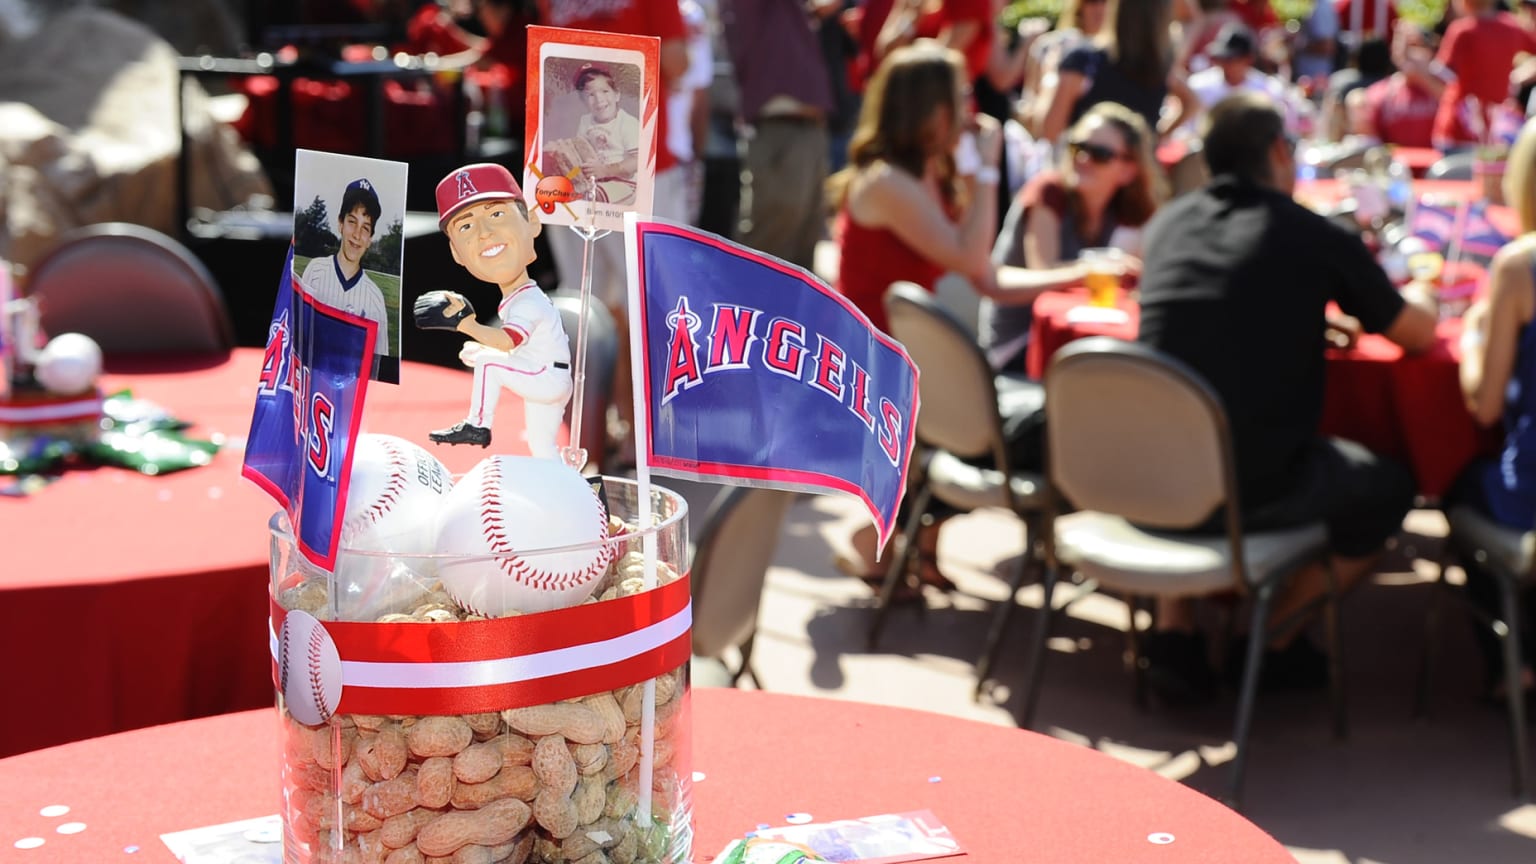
column 1236, row 283
column 918, row 199
column 1498, row 377
column 1400, row 109
column 1108, row 186
column 1373, row 63
column 1232, row 56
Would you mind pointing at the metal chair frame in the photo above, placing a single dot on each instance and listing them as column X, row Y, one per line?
column 1106, row 350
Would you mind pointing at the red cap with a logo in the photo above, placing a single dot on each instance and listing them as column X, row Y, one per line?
column 483, row 181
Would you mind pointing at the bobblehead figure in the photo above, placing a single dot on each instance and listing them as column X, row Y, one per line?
column 490, row 233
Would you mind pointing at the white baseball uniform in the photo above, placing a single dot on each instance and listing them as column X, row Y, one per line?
column 538, row 369
column 323, row 281
column 613, row 141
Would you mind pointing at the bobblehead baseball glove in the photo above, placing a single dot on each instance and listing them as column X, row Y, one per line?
column 432, row 310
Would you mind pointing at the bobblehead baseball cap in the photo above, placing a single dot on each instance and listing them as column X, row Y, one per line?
column 483, row 181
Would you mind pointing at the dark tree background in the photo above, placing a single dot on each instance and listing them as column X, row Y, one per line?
column 384, row 256
column 312, row 234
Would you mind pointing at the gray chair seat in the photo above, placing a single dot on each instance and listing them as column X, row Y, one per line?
column 966, row 487
column 1509, row 549
column 1115, row 553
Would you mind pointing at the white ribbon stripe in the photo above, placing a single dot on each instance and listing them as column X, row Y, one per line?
column 507, row 670
column 40, row 413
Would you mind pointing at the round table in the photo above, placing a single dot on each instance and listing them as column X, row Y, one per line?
column 1408, row 407
column 1005, row 794
column 133, row 600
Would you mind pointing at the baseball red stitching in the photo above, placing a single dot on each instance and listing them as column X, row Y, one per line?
column 284, row 634
column 393, row 488
column 316, row 682
column 491, row 525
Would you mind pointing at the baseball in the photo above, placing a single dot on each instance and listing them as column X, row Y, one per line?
column 68, row 364
column 496, row 520
column 309, row 669
column 391, row 515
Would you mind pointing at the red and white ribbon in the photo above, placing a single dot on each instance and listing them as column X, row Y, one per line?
column 38, row 412
column 475, row 666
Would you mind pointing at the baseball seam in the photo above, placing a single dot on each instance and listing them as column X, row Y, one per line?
column 316, row 681
column 381, row 506
column 284, row 642
column 492, row 525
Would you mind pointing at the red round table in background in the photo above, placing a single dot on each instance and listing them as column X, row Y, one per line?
column 1408, row 407
column 1005, row 794
column 133, row 600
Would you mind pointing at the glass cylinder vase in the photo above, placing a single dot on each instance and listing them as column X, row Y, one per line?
column 416, row 730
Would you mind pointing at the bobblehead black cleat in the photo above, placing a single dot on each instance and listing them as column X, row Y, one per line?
column 463, row 433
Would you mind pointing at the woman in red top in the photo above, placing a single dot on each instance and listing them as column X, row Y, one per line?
column 916, row 200
column 1479, row 48
column 911, row 203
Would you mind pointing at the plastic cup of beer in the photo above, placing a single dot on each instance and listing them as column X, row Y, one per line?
column 1106, row 268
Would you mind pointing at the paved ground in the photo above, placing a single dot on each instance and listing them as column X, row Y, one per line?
column 1397, row 791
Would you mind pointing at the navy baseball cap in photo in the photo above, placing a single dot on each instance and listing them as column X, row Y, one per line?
column 362, row 187
column 482, row 181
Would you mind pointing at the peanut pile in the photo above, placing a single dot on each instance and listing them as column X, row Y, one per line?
column 546, row 784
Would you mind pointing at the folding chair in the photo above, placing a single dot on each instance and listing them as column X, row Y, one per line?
column 1140, row 444
column 602, row 354
column 730, row 564
column 1509, row 555
column 133, row 290
column 961, row 418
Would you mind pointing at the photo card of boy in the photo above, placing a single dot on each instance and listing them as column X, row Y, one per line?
column 349, row 242
column 592, row 116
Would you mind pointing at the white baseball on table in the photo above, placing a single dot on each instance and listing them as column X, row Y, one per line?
column 496, row 524
column 69, row 364
column 389, row 528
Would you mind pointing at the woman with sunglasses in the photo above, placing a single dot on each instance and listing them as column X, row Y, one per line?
column 1131, row 62
column 1107, row 182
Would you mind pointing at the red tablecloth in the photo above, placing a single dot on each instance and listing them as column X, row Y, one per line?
column 1006, row 794
column 1327, row 192
column 1417, row 159
column 1408, row 407
column 133, row 600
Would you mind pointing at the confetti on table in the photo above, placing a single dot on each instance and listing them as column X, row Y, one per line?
column 130, row 849
column 935, row 779
column 71, row 828
column 798, row 818
column 1161, row 838
column 697, row 776
column 30, row 842
column 53, row 810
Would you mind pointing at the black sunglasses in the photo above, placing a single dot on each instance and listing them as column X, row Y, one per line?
column 1098, row 154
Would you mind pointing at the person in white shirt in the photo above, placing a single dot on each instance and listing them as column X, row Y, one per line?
column 1232, row 54
column 339, row 281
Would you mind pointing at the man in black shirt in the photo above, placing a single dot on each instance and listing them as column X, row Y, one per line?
column 1236, row 283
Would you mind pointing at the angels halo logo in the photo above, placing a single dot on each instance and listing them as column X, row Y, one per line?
column 552, row 190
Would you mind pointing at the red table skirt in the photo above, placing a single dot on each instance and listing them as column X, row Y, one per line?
column 132, row 600
column 1006, row 795
column 1407, row 407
